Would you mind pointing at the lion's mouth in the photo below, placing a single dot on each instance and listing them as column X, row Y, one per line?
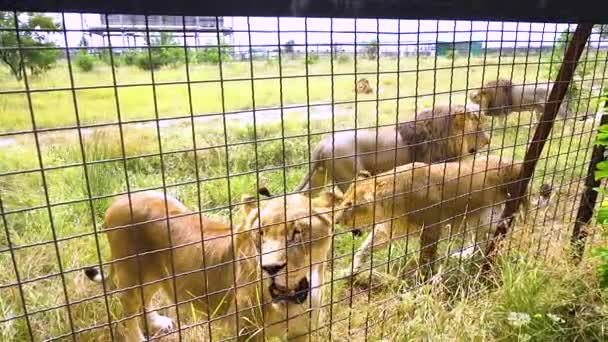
column 472, row 150
column 283, row 294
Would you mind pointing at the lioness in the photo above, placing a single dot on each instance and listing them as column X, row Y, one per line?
column 427, row 198
column 502, row 97
column 437, row 135
column 222, row 274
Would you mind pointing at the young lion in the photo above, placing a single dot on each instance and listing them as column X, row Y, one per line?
column 502, row 97
column 427, row 198
column 143, row 246
column 437, row 135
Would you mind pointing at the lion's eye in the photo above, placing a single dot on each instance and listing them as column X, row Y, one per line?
column 261, row 232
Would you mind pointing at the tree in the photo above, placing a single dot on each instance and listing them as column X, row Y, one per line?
column 289, row 46
column 83, row 42
column 39, row 54
column 164, row 50
column 372, row 49
column 602, row 30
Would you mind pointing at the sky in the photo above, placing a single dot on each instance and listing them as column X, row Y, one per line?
column 408, row 33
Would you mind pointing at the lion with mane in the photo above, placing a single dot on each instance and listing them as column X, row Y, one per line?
column 436, row 135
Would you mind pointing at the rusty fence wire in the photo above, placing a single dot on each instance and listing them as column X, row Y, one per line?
column 226, row 176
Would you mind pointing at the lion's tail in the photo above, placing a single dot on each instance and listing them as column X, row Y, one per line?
column 317, row 163
column 94, row 273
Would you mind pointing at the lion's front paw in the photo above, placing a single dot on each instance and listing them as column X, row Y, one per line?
column 160, row 322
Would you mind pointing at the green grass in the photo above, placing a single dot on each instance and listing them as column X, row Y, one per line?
column 56, row 109
column 447, row 310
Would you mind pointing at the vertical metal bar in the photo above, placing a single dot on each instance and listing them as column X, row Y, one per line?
column 198, row 177
column 356, row 109
column 333, row 127
column 517, row 188
column 309, row 149
column 123, row 152
column 540, row 54
column 588, row 198
column 257, row 164
column 371, row 259
column 43, row 178
column 228, row 184
column 163, row 180
column 591, row 136
column 86, row 173
column 569, row 152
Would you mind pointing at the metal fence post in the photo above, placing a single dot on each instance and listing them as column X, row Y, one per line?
column 518, row 188
column 588, row 199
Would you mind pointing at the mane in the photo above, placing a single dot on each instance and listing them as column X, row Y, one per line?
column 501, row 102
column 430, row 136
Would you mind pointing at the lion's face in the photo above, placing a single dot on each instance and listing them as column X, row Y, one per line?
column 467, row 134
column 357, row 207
column 475, row 96
column 363, row 86
column 290, row 239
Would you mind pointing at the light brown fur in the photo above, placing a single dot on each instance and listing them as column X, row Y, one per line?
column 429, row 196
column 363, row 87
column 199, row 272
column 502, row 97
column 435, row 136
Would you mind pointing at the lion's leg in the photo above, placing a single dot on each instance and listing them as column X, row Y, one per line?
column 125, row 273
column 429, row 240
column 378, row 238
column 157, row 321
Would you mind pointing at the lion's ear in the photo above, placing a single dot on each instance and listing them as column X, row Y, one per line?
column 264, row 192
column 328, row 199
column 363, row 174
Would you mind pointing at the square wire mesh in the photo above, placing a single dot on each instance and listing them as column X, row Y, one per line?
column 207, row 109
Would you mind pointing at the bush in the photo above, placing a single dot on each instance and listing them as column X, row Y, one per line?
column 152, row 61
column 161, row 53
column 601, row 173
column 208, row 55
column 312, row 58
column 211, row 54
column 129, row 57
column 343, row 58
column 84, row 61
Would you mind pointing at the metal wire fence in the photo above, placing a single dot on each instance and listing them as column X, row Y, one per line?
column 172, row 160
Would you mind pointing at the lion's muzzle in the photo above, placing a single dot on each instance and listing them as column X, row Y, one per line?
column 283, row 294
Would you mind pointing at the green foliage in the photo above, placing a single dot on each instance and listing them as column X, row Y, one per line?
column 601, row 173
column 371, row 49
column 312, row 58
column 343, row 58
column 37, row 60
column 211, row 53
column 289, row 46
column 602, row 254
column 163, row 51
column 602, row 30
column 591, row 61
column 84, row 61
column 129, row 56
column 106, row 57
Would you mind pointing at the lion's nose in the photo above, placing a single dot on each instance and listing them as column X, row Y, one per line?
column 273, row 269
